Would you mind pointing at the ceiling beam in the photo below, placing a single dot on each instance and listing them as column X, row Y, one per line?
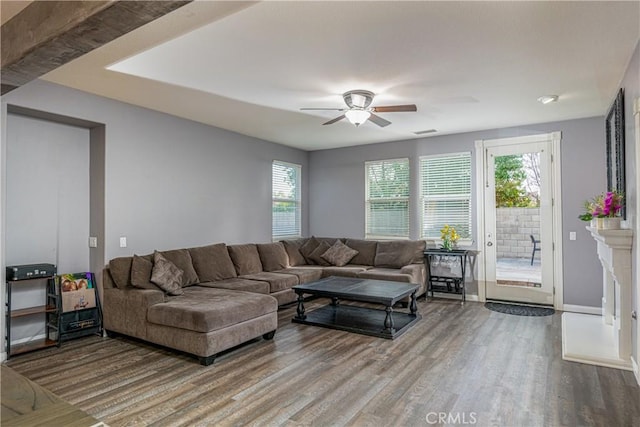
column 48, row 34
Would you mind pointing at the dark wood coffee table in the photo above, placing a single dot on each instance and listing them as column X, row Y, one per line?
column 363, row 320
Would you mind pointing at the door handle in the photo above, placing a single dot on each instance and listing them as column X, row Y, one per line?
column 489, row 243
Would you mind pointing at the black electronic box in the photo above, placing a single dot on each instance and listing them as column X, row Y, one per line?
column 30, row 271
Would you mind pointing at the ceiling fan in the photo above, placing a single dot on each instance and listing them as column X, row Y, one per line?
column 359, row 110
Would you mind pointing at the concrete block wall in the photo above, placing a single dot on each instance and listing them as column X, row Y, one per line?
column 513, row 227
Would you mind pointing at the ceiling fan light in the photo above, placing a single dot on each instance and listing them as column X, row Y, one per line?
column 357, row 117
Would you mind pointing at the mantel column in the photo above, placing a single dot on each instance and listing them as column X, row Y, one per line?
column 614, row 251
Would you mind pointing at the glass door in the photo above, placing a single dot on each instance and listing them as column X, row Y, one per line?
column 518, row 223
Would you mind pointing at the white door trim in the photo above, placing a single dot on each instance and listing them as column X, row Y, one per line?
column 636, row 115
column 481, row 162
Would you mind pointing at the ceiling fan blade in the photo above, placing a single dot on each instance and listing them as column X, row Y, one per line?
column 322, row 109
column 337, row 119
column 394, row 108
column 379, row 120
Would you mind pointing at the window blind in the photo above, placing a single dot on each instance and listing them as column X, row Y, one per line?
column 445, row 194
column 286, row 206
column 387, row 199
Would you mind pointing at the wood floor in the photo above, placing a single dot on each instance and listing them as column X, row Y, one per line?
column 464, row 364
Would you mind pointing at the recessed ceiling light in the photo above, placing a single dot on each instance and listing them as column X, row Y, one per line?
column 547, row 99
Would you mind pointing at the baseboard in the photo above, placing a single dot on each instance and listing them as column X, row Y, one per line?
column 470, row 297
column 582, row 309
column 636, row 370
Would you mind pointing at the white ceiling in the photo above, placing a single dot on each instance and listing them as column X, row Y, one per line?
column 250, row 67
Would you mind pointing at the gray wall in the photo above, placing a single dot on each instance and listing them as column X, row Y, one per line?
column 47, row 211
column 337, row 190
column 171, row 182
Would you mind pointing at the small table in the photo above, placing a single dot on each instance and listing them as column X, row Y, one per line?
column 363, row 320
column 446, row 284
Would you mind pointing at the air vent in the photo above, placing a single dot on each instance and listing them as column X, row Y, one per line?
column 422, row 132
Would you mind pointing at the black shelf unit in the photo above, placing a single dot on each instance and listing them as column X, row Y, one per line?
column 51, row 310
column 446, row 284
column 79, row 323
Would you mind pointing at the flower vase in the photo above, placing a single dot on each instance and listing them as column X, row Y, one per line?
column 611, row 223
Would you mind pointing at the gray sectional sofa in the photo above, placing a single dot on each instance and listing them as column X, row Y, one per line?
column 220, row 296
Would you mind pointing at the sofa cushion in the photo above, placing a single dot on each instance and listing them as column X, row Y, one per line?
column 329, row 240
column 339, row 254
column 212, row 263
column 141, row 269
column 277, row 281
column 273, row 256
column 120, row 270
column 293, row 251
column 305, row 274
column 391, row 274
column 398, row 253
column 316, row 255
column 366, row 251
column 349, row 270
column 246, row 259
column 182, row 259
column 239, row 284
column 166, row 275
column 417, row 272
column 309, row 246
column 203, row 309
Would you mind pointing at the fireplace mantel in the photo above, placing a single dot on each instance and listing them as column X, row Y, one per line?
column 605, row 340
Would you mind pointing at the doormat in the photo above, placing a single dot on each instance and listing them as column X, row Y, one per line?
column 519, row 310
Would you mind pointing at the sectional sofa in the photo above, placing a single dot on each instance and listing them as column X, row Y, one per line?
column 208, row 299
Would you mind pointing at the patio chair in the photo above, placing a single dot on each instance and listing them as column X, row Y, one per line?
column 535, row 247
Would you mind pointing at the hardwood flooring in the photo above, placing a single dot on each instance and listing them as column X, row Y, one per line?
column 458, row 365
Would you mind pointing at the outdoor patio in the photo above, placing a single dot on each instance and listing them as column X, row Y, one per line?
column 518, row 271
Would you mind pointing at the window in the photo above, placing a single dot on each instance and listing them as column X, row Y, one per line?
column 286, row 206
column 445, row 194
column 387, row 199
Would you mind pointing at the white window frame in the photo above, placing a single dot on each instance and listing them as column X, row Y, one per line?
column 297, row 200
column 466, row 240
column 407, row 199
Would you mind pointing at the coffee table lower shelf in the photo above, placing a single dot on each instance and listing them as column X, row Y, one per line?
column 360, row 320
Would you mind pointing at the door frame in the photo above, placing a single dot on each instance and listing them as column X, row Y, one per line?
column 554, row 138
column 636, row 115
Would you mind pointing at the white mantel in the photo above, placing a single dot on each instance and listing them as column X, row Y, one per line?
column 605, row 340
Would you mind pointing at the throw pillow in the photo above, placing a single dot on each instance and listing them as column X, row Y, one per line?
column 366, row 251
column 273, row 256
column 339, row 254
column 141, row 269
column 120, row 271
column 182, row 259
column 316, row 255
column 308, row 247
column 212, row 263
column 245, row 258
column 166, row 275
column 293, row 251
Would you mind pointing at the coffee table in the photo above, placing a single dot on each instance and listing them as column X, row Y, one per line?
column 363, row 320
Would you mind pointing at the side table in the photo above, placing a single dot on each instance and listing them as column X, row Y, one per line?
column 446, row 284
